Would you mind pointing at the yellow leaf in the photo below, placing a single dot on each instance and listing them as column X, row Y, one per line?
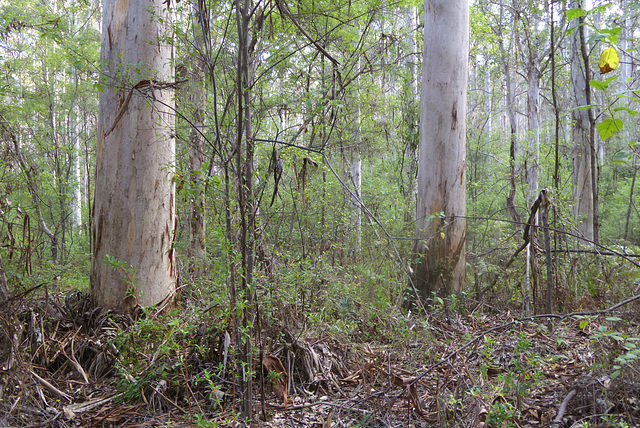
column 609, row 60
column 442, row 235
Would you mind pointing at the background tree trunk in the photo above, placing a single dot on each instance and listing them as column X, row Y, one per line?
column 533, row 116
column 134, row 215
column 197, row 206
column 513, row 129
column 581, row 133
column 441, row 164
column 355, row 173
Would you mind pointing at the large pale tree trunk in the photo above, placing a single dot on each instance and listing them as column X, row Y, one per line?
column 134, row 215
column 583, row 194
column 441, row 165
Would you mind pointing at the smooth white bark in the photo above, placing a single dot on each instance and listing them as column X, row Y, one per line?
column 134, row 215
column 442, row 150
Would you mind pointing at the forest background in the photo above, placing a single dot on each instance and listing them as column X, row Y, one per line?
column 334, row 114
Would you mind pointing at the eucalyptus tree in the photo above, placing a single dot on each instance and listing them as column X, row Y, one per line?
column 441, row 204
column 583, row 130
column 133, row 261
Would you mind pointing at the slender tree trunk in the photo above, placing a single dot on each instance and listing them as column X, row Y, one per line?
column 441, row 204
column 633, row 185
column 513, row 132
column 28, row 170
column 533, row 116
column 246, row 198
column 5, row 293
column 544, row 206
column 626, row 61
column 488, row 101
column 356, row 177
column 583, row 162
column 197, row 92
column 556, row 109
column 76, row 187
column 134, row 215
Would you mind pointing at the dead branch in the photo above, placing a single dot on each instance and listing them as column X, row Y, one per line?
column 563, row 407
column 50, row 387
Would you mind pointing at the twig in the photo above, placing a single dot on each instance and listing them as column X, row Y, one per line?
column 563, row 407
column 92, row 404
column 596, row 252
column 50, row 387
column 284, row 9
column 74, row 361
column 318, row 403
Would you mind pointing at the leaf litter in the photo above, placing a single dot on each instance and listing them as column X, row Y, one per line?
column 58, row 362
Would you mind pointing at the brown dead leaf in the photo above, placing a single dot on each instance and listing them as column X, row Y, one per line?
column 280, row 383
column 480, row 419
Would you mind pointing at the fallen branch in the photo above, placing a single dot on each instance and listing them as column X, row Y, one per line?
column 50, row 387
column 318, row 403
column 71, row 410
column 74, row 362
column 563, row 407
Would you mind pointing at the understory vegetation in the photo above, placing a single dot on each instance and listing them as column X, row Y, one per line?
column 332, row 347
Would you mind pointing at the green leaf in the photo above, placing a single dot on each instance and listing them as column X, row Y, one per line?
column 608, row 80
column 636, row 99
column 583, row 324
column 98, row 86
column 614, row 319
column 598, row 84
column 622, row 157
column 575, row 13
column 587, row 107
column 596, row 38
column 608, row 127
column 600, row 9
column 613, row 34
column 571, row 30
column 615, row 374
column 631, row 111
column 616, row 31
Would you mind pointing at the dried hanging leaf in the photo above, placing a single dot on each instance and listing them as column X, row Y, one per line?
column 303, row 174
column 609, row 60
column 272, row 363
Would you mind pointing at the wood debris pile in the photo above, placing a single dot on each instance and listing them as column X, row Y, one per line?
column 61, row 367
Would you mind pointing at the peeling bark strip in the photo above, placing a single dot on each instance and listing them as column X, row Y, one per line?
column 442, row 162
column 134, row 212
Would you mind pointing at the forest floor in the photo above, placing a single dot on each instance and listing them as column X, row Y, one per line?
column 65, row 364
